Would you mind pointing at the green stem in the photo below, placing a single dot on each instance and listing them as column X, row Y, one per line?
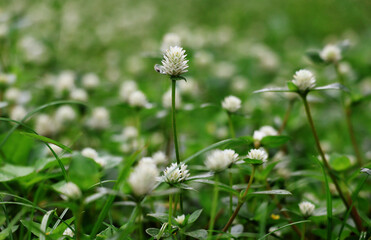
column 230, row 123
column 348, row 118
column 7, row 221
column 230, row 194
column 140, row 216
column 173, row 110
column 287, row 115
column 170, row 209
column 303, row 233
column 241, row 202
column 347, row 202
column 213, row 207
column 78, row 219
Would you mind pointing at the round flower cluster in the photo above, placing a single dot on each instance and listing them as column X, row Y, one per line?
column 263, row 132
column 143, row 178
column 231, row 103
column 219, row 160
column 258, row 154
column 306, row 208
column 71, row 191
column 304, row 80
column 174, row 62
column 175, row 174
column 331, row 53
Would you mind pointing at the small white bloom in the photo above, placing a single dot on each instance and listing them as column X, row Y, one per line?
column 231, row 103
column 330, row 53
column 159, row 157
column 89, row 153
column 55, row 148
column 263, row 132
column 174, row 62
column 306, row 208
column 7, row 79
column 258, row 154
column 129, row 132
column 12, row 94
column 175, row 174
column 138, row 99
column 18, row 113
column 100, row 118
column 189, row 88
column 71, row 190
column 79, row 94
column 68, row 232
column 304, row 80
column 90, row 81
column 45, row 125
column 224, row 70
column 167, row 99
column 126, row 89
column 219, row 160
column 65, row 81
column 170, row 40
column 64, row 114
column 143, row 178
column 180, row 219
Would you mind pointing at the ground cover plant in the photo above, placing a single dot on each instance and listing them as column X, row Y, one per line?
column 185, row 119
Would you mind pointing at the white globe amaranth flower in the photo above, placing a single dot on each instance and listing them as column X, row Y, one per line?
column 126, row 89
column 57, row 150
column 180, row 219
column 64, row 114
column 68, row 232
column 18, row 113
column 306, row 208
column 71, row 191
column 100, row 118
column 45, row 125
column 219, row 160
column 258, row 154
column 7, row 79
column 175, row 174
column 170, row 40
column 174, row 62
column 159, row 157
column 138, row 99
column 143, row 178
column 167, row 99
column 90, row 81
column 231, row 103
column 331, row 53
column 129, row 132
column 304, row 80
column 93, row 154
column 264, row 131
column 79, row 94
column 65, row 81
column 12, row 94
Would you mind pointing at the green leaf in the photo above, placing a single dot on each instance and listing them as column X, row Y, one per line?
column 48, row 140
column 198, row 234
column 274, row 89
column 292, row 86
column 253, row 161
column 285, row 226
column 332, row 86
column 17, row 150
column 272, row 192
column 314, row 56
column 152, row 231
column 162, row 217
column 11, row 172
column 366, row 170
column 175, row 78
column 339, row 162
column 274, row 141
column 44, row 224
column 4, row 234
column 83, row 171
column 194, row 216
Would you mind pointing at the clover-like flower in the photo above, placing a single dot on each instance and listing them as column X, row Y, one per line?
column 143, row 178
column 71, row 191
column 304, row 80
column 306, row 208
column 180, row 219
column 176, row 174
column 231, row 103
column 330, row 53
column 219, row 160
column 174, row 63
column 258, row 154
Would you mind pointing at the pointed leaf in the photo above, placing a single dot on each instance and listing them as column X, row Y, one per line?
column 274, row 141
column 44, row 224
column 332, row 86
column 162, row 217
column 274, row 89
column 314, row 56
column 253, row 161
column 48, row 140
column 194, row 216
column 10, row 172
column 292, row 86
column 272, row 192
column 198, row 234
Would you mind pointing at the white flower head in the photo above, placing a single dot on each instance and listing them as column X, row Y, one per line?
column 126, row 89
column 71, row 190
column 304, row 80
column 45, row 125
column 180, row 219
column 231, row 103
column 258, row 154
column 159, row 157
column 175, row 174
column 12, row 94
column 138, row 99
column 219, row 160
column 90, row 81
column 306, row 208
column 7, row 79
column 170, row 40
column 65, row 114
column 263, row 132
column 18, row 113
column 174, row 62
column 68, row 232
column 92, row 153
column 65, row 81
column 79, row 94
column 331, row 53
column 143, row 178
column 100, row 118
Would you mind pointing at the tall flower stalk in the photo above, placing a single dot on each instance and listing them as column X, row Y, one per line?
column 174, row 65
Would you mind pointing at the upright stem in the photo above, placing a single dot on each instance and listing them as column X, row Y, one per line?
column 303, row 234
column 173, row 110
column 170, row 209
column 230, row 123
column 140, row 214
column 213, row 207
column 233, row 135
column 241, row 202
column 348, row 118
column 346, row 200
column 287, row 115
